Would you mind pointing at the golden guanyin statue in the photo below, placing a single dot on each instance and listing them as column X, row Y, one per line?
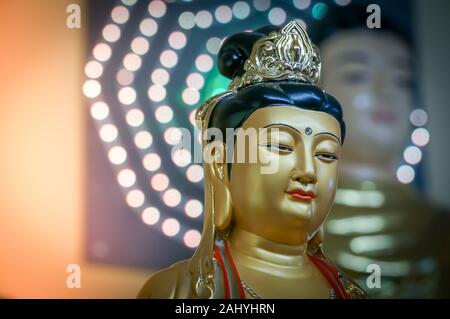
column 262, row 218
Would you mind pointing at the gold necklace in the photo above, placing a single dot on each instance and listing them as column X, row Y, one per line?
column 254, row 295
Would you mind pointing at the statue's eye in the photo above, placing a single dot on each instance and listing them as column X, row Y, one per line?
column 327, row 157
column 279, row 148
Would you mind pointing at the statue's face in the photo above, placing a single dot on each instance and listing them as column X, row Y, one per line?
column 370, row 74
column 292, row 202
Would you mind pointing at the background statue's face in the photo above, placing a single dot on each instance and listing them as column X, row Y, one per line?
column 303, row 145
column 370, row 74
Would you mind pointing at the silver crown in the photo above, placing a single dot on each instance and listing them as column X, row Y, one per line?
column 285, row 55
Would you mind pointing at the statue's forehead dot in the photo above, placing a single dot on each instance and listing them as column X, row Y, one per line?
column 308, row 131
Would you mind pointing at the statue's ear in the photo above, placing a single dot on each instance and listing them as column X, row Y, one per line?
column 217, row 174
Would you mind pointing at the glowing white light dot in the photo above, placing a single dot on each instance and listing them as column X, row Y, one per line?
column 420, row 136
column 213, row 45
column 190, row 96
column 164, row 114
column 223, row 14
column 194, row 173
column 277, row 16
column 172, row 135
column 203, row 19
column 111, row 33
column 126, row 178
column 92, row 88
column 160, row 76
column 135, row 198
column 168, row 58
column 241, row 10
column 102, row 52
column 93, row 69
column 302, row 4
column 192, row 238
column 140, row 45
column 157, row 8
column 143, row 139
column 204, row 63
column 135, row 117
column 186, row 20
column 170, row 227
column 129, row 2
column 108, row 133
column 418, row 117
column 159, row 182
column 405, row 174
column 99, row 110
column 177, row 40
column 412, row 155
column 148, row 27
column 261, row 5
column 132, row 62
column 127, row 95
column 156, row 92
column 193, row 208
column 342, row 2
column 150, row 215
column 171, row 197
column 120, row 14
column 195, row 81
column 151, row 162
column 181, row 157
column 125, row 77
column 117, row 155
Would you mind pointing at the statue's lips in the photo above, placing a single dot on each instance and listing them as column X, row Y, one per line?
column 301, row 195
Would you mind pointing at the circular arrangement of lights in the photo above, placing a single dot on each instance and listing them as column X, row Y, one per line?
column 127, row 100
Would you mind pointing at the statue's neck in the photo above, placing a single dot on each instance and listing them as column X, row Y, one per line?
column 249, row 246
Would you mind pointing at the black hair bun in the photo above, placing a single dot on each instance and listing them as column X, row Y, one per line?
column 236, row 49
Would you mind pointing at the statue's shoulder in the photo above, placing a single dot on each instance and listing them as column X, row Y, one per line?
column 167, row 283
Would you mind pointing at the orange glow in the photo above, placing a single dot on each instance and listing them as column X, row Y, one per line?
column 42, row 138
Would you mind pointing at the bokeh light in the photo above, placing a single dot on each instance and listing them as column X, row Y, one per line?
column 412, row 155
column 135, row 117
column 148, row 27
column 135, row 198
column 126, row 177
column 117, row 155
column 192, row 238
column 108, row 133
column 150, row 215
column 111, row 33
column 405, row 174
column 203, row 19
column 157, row 8
column 171, row 197
column 143, row 139
column 99, row 110
column 418, row 117
column 120, row 14
column 164, row 114
column 151, row 162
column 170, row 227
column 193, row 208
column 159, row 182
column 420, row 136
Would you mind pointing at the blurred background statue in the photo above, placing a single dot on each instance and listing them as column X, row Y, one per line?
column 379, row 217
